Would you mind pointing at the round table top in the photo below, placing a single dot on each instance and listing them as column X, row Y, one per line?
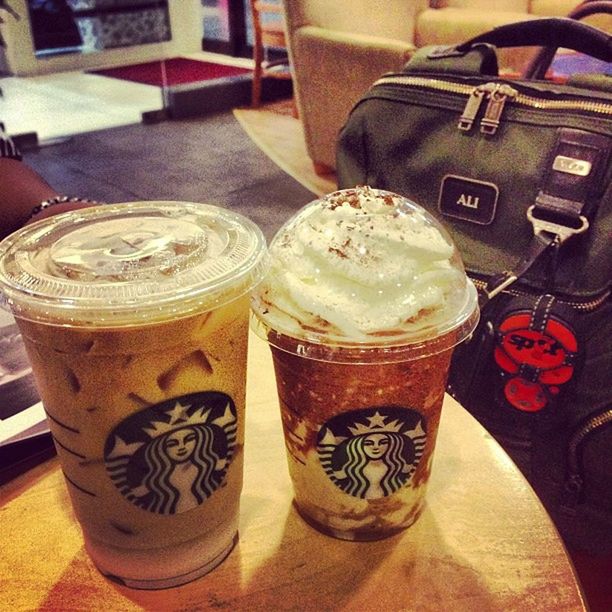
column 484, row 541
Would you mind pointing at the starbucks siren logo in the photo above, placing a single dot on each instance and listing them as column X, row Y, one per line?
column 170, row 457
column 371, row 453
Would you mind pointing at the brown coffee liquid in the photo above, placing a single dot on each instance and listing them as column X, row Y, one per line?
column 91, row 379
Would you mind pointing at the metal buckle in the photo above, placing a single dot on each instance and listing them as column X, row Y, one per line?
column 561, row 232
column 503, row 283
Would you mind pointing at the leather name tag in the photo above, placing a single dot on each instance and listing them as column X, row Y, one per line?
column 468, row 199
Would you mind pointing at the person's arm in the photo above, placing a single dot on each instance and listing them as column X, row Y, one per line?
column 22, row 191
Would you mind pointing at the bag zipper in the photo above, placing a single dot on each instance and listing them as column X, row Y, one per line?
column 579, row 305
column 498, row 94
column 574, row 481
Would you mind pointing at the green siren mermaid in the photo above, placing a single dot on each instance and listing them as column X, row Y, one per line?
column 169, row 458
column 372, row 453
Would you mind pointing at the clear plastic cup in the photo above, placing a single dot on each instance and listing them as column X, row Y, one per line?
column 365, row 299
column 135, row 320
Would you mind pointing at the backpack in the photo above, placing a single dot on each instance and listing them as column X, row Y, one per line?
column 519, row 173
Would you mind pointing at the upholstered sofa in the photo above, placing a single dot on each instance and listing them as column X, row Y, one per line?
column 338, row 48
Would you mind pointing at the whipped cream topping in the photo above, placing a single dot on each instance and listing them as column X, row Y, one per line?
column 359, row 265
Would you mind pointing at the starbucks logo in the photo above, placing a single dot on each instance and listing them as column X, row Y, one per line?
column 371, row 453
column 170, row 457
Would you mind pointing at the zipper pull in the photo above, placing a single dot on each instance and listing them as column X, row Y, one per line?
column 471, row 109
column 574, row 481
column 497, row 101
column 571, row 495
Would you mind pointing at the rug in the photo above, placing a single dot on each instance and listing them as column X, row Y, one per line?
column 204, row 159
column 178, row 71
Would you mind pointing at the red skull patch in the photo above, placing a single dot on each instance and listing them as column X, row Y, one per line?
column 536, row 351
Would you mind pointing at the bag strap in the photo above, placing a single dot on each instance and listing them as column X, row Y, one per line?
column 566, row 202
column 549, row 32
column 541, row 62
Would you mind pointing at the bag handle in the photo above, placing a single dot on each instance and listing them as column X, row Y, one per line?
column 574, row 179
column 550, row 32
column 543, row 59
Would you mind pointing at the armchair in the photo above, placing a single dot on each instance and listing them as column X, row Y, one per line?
column 337, row 49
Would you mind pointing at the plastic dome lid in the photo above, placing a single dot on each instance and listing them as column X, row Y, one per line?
column 364, row 268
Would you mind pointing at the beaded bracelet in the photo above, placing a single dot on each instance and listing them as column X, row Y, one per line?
column 57, row 200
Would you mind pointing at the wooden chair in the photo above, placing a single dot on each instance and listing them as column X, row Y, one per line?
column 268, row 33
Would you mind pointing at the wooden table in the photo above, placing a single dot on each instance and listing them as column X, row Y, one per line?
column 484, row 542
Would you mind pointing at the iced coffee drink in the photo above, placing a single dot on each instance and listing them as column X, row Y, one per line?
column 135, row 320
column 364, row 302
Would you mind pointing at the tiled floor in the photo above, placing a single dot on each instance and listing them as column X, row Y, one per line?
column 60, row 105
column 67, row 103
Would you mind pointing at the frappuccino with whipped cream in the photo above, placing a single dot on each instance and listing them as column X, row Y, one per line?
column 365, row 299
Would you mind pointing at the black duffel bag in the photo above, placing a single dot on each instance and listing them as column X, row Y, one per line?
column 519, row 172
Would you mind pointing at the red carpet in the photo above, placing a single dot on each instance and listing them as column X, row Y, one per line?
column 178, row 70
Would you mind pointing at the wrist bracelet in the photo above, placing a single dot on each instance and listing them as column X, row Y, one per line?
column 57, row 200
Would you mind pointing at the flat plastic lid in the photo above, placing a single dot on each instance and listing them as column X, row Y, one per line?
column 130, row 263
column 363, row 269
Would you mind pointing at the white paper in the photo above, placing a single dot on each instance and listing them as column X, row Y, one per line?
column 19, row 409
